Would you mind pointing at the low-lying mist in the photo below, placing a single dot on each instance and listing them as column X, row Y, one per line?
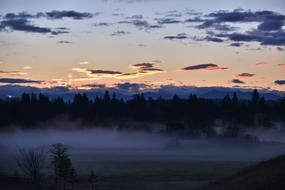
column 112, row 144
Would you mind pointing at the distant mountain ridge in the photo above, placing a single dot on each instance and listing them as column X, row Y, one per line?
column 166, row 92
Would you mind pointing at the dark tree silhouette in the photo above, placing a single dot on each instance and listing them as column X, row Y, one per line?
column 31, row 163
column 193, row 114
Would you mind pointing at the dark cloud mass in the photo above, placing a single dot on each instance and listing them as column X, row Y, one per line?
column 246, row 75
column 25, row 26
column 104, row 72
column 67, row 14
column 143, row 65
column 22, row 21
column 17, row 81
column 268, row 32
column 181, row 36
column 280, row 82
column 269, row 25
column 237, row 81
column 209, row 66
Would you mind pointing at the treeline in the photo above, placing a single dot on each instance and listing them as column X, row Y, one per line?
column 190, row 114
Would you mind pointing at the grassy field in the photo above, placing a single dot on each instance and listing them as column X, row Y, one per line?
column 160, row 174
column 156, row 174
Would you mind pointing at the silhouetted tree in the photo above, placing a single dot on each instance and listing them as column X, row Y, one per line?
column 31, row 163
column 60, row 163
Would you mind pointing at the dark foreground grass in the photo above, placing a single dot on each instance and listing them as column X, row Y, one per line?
column 148, row 174
column 266, row 175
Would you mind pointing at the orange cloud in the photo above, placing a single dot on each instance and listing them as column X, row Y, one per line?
column 27, row 67
column 282, row 65
column 143, row 72
column 17, row 73
column 157, row 61
column 84, row 63
column 262, row 63
column 143, row 69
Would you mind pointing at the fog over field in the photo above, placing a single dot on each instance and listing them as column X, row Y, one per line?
column 136, row 160
column 112, row 144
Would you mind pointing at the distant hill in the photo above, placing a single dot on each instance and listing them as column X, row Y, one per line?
column 127, row 90
column 267, row 175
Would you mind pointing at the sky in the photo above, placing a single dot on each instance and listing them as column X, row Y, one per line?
column 82, row 44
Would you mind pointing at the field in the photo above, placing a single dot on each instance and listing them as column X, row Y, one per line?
column 141, row 161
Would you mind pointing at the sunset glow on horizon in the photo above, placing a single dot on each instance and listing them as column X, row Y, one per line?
column 73, row 43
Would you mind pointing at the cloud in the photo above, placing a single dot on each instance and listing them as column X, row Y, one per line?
column 236, row 44
column 246, row 75
column 141, row 73
column 281, row 65
column 204, row 67
column 280, row 82
column 24, row 25
column 120, row 33
column 181, row 36
column 17, row 81
column 270, row 25
column 64, row 42
column 68, row 14
column 275, row 38
column 97, row 73
column 162, row 21
column 21, row 15
column 143, row 69
column 157, row 61
column 131, row 86
column 142, row 65
column 104, row 72
column 268, row 32
column 101, row 24
column 240, row 15
column 262, row 63
column 237, row 81
column 141, row 24
column 27, row 67
column 22, row 21
column 84, row 63
column 94, row 86
column 17, row 73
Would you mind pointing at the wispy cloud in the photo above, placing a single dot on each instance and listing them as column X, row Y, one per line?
column 181, row 36
column 18, row 73
column 262, row 63
column 27, row 67
column 64, row 42
column 83, row 63
column 120, row 33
